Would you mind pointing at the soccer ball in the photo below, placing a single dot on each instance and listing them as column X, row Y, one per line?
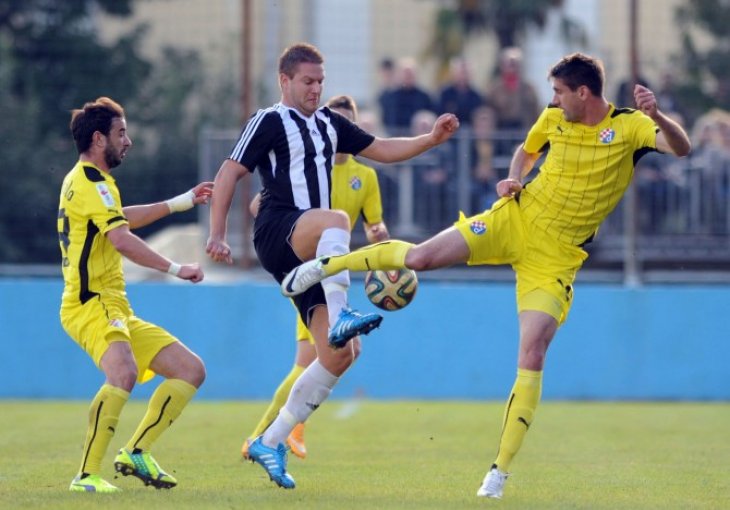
column 391, row 290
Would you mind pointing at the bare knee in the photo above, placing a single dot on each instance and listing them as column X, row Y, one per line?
column 420, row 259
column 340, row 219
column 194, row 371
column 122, row 374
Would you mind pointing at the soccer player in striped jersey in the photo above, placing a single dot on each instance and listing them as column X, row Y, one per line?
column 539, row 228
column 292, row 145
column 94, row 232
column 356, row 191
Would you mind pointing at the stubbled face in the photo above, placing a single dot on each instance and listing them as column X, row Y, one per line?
column 303, row 91
column 570, row 101
column 117, row 143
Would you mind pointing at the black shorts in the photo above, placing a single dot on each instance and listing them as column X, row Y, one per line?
column 272, row 240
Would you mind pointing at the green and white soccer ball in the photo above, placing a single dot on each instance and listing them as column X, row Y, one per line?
column 391, row 290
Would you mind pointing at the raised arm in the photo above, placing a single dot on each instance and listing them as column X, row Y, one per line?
column 391, row 150
column 671, row 137
column 142, row 215
column 520, row 166
column 224, row 186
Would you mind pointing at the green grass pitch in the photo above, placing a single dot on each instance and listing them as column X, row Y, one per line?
column 389, row 455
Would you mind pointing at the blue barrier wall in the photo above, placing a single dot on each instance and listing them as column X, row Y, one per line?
column 456, row 341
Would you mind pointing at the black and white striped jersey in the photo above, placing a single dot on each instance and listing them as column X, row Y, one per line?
column 294, row 154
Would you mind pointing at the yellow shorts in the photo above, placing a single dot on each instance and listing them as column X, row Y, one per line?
column 99, row 322
column 303, row 334
column 545, row 268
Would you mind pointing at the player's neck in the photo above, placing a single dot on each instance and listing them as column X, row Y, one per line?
column 596, row 112
column 97, row 161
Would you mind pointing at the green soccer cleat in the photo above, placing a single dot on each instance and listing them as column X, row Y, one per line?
column 92, row 483
column 145, row 467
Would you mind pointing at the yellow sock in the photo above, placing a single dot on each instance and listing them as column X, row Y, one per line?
column 386, row 255
column 103, row 418
column 166, row 404
column 518, row 415
column 280, row 397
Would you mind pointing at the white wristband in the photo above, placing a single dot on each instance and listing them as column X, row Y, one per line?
column 174, row 269
column 182, row 202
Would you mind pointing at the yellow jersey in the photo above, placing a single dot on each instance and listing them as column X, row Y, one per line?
column 355, row 190
column 89, row 207
column 586, row 171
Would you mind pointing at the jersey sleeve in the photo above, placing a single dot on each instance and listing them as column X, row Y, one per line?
column 645, row 131
column 255, row 140
column 537, row 137
column 372, row 208
column 350, row 138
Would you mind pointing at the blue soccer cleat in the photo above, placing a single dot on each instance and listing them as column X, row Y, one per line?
column 350, row 324
column 273, row 460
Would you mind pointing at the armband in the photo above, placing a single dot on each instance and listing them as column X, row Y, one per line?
column 182, row 202
column 174, row 269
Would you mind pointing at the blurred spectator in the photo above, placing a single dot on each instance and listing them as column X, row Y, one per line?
column 711, row 159
column 458, row 96
column 513, row 98
column 433, row 185
column 408, row 98
column 625, row 93
column 485, row 175
column 661, row 185
column 667, row 95
column 388, row 84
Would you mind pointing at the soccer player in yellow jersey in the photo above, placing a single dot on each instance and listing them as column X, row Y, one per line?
column 94, row 231
column 355, row 190
column 538, row 228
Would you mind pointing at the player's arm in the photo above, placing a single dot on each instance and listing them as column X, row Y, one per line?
column 521, row 165
column 671, row 138
column 142, row 215
column 376, row 232
column 223, row 188
column 139, row 252
column 391, row 150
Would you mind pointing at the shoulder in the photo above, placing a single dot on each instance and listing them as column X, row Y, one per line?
column 551, row 115
column 632, row 118
column 360, row 167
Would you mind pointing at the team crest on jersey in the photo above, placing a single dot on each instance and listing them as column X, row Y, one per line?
column 607, row 135
column 116, row 323
column 355, row 183
column 105, row 194
column 478, row 227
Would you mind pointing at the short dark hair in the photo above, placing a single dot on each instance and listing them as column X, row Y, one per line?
column 578, row 69
column 343, row 102
column 296, row 54
column 94, row 116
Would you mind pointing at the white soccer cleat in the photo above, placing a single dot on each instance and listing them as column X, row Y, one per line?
column 493, row 484
column 303, row 277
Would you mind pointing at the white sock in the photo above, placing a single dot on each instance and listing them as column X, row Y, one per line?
column 335, row 241
column 308, row 392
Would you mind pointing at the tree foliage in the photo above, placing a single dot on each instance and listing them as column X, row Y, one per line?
column 704, row 77
column 508, row 20
column 52, row 61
